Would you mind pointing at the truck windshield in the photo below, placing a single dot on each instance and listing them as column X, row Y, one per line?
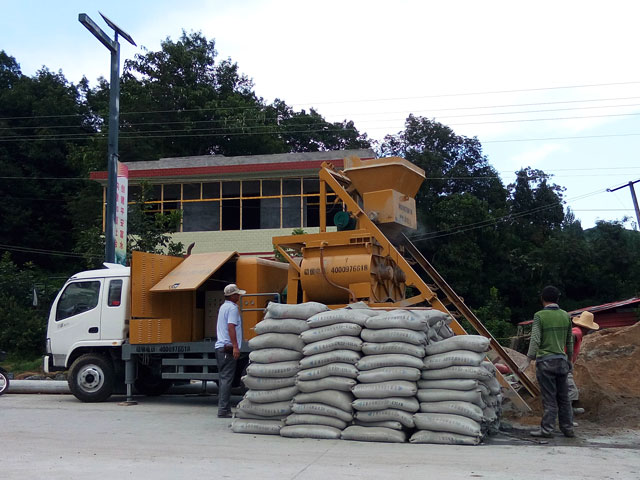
column 77, row 298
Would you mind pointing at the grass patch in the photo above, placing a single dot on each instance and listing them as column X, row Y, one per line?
column 17, row 365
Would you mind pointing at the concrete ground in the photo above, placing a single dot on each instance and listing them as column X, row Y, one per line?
column 176, row 436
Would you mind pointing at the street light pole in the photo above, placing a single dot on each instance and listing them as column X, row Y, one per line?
column 114, row 121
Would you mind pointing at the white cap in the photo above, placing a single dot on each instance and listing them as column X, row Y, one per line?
column 231, row 289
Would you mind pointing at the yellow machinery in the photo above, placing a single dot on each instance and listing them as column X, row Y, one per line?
column 360, row 261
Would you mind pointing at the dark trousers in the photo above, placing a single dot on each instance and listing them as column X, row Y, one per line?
column 226, row 372
column 552, row 378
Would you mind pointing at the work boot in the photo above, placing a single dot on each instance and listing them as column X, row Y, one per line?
column 578, row 410
column 541, row 434
column 569, row 433
column 224, row 414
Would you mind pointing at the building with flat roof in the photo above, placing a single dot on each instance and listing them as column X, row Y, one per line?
column 237, row 203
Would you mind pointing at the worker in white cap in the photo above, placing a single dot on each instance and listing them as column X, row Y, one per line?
column 228, row 343
column 582, row 325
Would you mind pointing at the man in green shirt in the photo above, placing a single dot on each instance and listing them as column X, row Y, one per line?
column 551, row 347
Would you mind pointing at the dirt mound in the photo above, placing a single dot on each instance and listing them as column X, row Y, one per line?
column 606, row 375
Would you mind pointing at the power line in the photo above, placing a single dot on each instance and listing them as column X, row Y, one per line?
column 41, row 251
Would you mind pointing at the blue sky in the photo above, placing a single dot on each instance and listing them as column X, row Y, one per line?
column 565, row 75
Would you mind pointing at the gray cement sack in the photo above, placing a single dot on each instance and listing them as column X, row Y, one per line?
column 309, row 419
column 273, row 370
column 362, row 307
column 397, row 319
column 266, row 383
column 493, row 385
column 322, row 409
column 386, row 424
column 261, row 427
column 342, row 384
column 386, row 374
column 489, row 414
column 281, row 325
column 270, row 396
column 369, row 348
column 444, row 438
column 408, row 404
column 332, row 317
column 395, row 388
column 310, row 431
column 336, row 356
column 490, row 367
column 405, row 418
column 452, row 384
column 374, row 434
column 301, row 311
column 330, row 344
column 330, row 331
column 441, row 395
column 474, row 343
column 442, row 422
column 369, row 362
column 465, row 409
column 289, row 341
column 333, row 369
column 456, row 371
column 455, row 357
column 433, row 317
column 334, row 398
column 274, row 355
column 445, row 332
column 393, row 335
column 276, row 409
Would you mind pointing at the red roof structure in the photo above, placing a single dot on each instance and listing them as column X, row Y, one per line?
column 616, row 314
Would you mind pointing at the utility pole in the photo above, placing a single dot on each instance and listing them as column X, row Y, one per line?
column 114, row 121
column 633, row 197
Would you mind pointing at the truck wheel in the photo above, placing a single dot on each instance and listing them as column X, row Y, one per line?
column 150, row 385
column 91, row 378
column 4, row 381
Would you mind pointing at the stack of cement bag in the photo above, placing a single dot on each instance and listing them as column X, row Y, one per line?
column 453, row 391
column 327, row 374
column 274, row 363
column 387, row 376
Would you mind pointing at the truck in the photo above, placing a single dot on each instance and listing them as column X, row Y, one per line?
column 153, row 323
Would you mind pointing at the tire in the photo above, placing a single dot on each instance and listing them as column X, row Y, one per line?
column 91, row 378
column 4, row 381
column 150, row 385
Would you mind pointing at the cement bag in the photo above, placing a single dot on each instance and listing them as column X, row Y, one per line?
column 336, row 343
column 405, row 418
column 274, row 355
column 489, row 414
column 456, row 371
column 273, row 370
column 465, row 409
column 373, row 434
column 408, row 404
column 490, row 367
column 385, row 424
column 261, row 427
column 262, row 383
column 276, row 409
column 342, row 384
column 386, row 374
column 310, row 431
column 393, row 335
column 337, row 316
column 397, row 319
column 321, row 409
column 308, row 419
column 370, row 362
column 333, row 369
column 441, row 395
column 334, row 398
column 444, row 438
column 289, row 341
column 369, row 348
column 301, row 310
column 336, row 356
column 270, row 396
column 281, row 325
column 362, row 307
column 395, row 388
column 445, row 332
column 455, row 357
column 433, row 317
column 493, row 385
column 453, row 384
column 474, row 343
column 331, row 331
column 443, row 422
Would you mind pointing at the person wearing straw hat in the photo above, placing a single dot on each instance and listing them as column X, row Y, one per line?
column 582, row 325
column 228, row 343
